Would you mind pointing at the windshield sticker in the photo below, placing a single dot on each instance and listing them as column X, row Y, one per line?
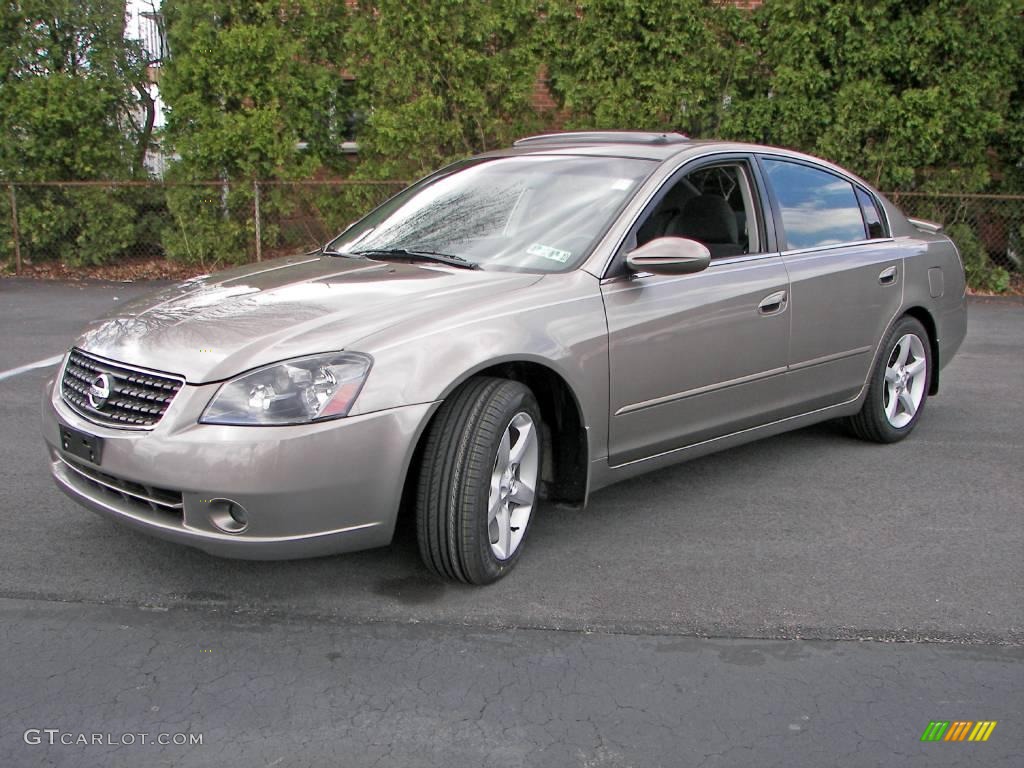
column 622, row 184
column 547, row 252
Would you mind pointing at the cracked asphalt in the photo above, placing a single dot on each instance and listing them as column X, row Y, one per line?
column 804, row 601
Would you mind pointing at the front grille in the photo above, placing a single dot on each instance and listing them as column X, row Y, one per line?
column 137, row 399
column 135, row 495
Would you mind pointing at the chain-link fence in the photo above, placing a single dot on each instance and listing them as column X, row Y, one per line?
column 211, row 224
column 995, row 222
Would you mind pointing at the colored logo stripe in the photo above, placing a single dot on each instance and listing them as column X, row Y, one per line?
column 983, row 730
column 958, row 730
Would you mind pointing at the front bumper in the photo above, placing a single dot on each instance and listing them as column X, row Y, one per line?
column 307, row 490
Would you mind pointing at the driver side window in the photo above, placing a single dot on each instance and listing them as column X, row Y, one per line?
column 713, row 205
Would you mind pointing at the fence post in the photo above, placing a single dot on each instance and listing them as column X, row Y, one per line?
column 15, row 235
column 256, row 216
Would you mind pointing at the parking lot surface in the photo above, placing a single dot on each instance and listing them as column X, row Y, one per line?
column 595, row 651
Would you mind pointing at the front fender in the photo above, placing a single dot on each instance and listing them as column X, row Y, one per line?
column 558, row 322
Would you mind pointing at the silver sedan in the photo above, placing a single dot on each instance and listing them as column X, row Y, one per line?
column 533, row 323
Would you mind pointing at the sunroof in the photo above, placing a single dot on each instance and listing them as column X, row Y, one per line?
column 602, row 137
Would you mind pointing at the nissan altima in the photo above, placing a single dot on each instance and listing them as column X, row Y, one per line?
column 529, row 324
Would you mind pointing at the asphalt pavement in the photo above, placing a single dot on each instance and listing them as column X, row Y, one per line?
column 806, row 600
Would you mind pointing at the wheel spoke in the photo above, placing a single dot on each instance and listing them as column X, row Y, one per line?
column 891, row 375
column 504, row 531
column 908, row 403
column 493, row 505
column 501, row 462
column 523, row 439
column 890, row 408
column 523, row 494
column 916, row 367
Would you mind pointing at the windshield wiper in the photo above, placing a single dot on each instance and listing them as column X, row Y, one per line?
column 412, row 253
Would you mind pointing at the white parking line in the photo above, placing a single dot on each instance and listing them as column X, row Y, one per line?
column 31, row 366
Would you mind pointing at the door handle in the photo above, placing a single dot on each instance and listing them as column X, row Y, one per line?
column 773, row 303
column 888, row 275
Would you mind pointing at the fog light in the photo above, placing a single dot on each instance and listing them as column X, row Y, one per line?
column 229, row 516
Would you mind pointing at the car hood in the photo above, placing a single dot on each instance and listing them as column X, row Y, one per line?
column 216, row 326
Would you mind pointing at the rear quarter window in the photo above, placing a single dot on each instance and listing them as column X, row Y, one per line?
column 872, row 216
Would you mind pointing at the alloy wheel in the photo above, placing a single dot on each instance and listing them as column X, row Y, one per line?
column 513, row 486
column 906, row 374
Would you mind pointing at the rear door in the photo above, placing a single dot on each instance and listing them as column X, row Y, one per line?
column 846, row 276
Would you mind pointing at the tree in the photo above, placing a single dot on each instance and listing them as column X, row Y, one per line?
column 254, row 91
column 69, row 92
column 72, row 91
column 439, row 80
column 912, row 94
column 671, row 65
column 251, row 88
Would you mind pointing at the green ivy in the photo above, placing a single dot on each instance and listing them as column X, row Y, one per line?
column 674, row 65
column 254, row 90
column 439, row 80
column 246, row 83
column 911, row 94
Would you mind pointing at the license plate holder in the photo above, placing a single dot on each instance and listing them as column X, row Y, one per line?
column 82, row 445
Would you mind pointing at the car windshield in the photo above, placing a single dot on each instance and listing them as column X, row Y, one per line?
column 537, row 213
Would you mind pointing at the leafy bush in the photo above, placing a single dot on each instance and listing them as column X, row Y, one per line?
column 674, row 65
column 77, row 225
column 209, row 226
column 982, row 274
column 71, row 92
column 912, row 94
column 439, row 80
column 247, row 82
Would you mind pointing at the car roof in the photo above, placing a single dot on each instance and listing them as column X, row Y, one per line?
column 646, row 145
column 649, row 145
column 638, row 144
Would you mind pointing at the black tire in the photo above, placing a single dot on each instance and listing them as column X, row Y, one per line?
column 455, row 475
column 871, row 422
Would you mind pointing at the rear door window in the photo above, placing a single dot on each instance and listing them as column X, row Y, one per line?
column 818, row 208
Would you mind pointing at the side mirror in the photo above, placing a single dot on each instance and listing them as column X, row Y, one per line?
column 669, row 256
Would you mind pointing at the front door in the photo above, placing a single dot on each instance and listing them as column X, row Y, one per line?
column 694, row 357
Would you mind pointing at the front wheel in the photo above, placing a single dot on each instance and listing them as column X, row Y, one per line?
column 898, row 387
column 478, row 481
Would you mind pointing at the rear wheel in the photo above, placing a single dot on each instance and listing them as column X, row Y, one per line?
column 898, row 387
column 478, row 479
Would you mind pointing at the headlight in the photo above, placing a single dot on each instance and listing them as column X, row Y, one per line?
column 291, row 392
